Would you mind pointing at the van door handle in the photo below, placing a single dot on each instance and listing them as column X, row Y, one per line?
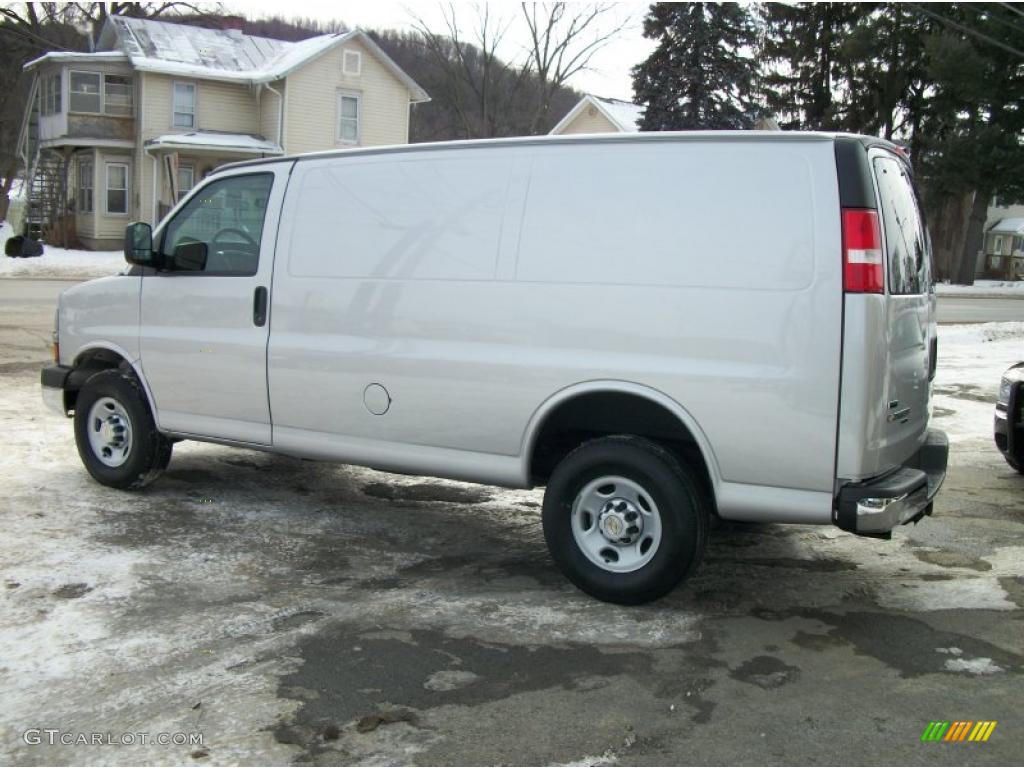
column 259, row 306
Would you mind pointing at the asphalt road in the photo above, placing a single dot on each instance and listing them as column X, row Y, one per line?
column 303, row 613
column 42, row 294
column 954, row 309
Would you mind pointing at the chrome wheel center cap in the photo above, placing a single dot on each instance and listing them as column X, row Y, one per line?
column 109, row 433
column 620, row 521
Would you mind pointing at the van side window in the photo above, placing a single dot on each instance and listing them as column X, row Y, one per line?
column 906, row 242
column 435, row 217
column 227, row 215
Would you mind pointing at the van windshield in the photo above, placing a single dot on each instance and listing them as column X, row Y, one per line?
column 906, row 242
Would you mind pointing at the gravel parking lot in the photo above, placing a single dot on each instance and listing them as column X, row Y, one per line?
column 296, row 612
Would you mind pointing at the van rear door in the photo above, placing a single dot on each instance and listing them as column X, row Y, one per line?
column 909, row 327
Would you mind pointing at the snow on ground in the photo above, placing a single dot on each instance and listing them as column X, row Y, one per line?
column 60, row 262
column 972, row 359
column 983, row 288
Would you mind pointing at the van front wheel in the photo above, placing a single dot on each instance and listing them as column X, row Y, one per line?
column 624, row 520
column 116, row 435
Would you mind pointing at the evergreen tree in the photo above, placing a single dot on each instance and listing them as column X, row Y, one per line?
column 701, row 75
column 973, row 119
column 803, row 45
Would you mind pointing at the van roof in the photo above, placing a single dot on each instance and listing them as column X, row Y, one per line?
column 785, row 137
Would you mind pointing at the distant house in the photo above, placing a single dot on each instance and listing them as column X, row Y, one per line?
column 1004, row 250
column 124, row 133
column 593, row 114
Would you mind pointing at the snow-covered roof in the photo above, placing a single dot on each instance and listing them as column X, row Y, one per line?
column 1008, row 227
column 228, row 54
column 74, row 56
column 624, row 115
column 225, row 142
column 151, row 44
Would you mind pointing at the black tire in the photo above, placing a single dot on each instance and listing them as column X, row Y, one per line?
column 149, row 451
column 677, row 493
column 1015, row 463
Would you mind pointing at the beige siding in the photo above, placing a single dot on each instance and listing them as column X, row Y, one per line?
column 219, row 106
column 111, row 225
column 99, row 224
column 311, row 99
column 590, row 120
column 268, row 109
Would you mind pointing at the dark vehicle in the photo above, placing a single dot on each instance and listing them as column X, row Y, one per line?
column 1009, row 422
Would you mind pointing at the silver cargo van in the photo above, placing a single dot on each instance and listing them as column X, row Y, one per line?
column 659, row 328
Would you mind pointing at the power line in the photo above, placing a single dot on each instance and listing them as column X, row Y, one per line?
column 1010, row 6
column 968, row 30
column 988, row 15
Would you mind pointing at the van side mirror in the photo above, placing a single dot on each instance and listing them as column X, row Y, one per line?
column 189, row 257
column 138, row 244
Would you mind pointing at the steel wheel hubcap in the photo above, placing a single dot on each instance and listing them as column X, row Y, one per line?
column 616, row 524
column 110, row 432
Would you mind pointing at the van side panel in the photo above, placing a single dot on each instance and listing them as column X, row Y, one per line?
column 474, row 284
column 865, row 384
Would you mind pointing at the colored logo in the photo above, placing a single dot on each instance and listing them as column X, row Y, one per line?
column 958, row 730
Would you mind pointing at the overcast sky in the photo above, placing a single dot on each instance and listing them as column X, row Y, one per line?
column 609, row 73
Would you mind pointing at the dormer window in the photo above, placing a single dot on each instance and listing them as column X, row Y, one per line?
column 351, row 63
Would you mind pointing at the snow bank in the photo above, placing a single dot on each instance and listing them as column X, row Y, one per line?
column 972, row 359
column 60, row 262
column 983, row 288
column 981, row 333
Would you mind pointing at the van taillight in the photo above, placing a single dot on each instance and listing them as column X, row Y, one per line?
column 862, row 252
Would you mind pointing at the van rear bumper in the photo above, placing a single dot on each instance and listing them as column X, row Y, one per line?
column 874, row 507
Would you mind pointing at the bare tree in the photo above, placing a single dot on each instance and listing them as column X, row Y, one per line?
column 563, row 39
column 96, row 14
column 500, row 95
column 477, row 82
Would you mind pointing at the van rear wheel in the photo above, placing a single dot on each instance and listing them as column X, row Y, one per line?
column 116, row 434
column 624, row 520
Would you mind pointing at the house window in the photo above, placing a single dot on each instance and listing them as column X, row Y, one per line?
column 186, row 180
column 184, row 105
column 351, row 63
column 50, row 93
column 85, row 92
column 349, row 112
column 85, row 185
column 117, row 95
column 997, row 244
column 117, row 187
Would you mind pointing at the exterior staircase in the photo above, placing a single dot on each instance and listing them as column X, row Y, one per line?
column 46, row 178
column 47, row 196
